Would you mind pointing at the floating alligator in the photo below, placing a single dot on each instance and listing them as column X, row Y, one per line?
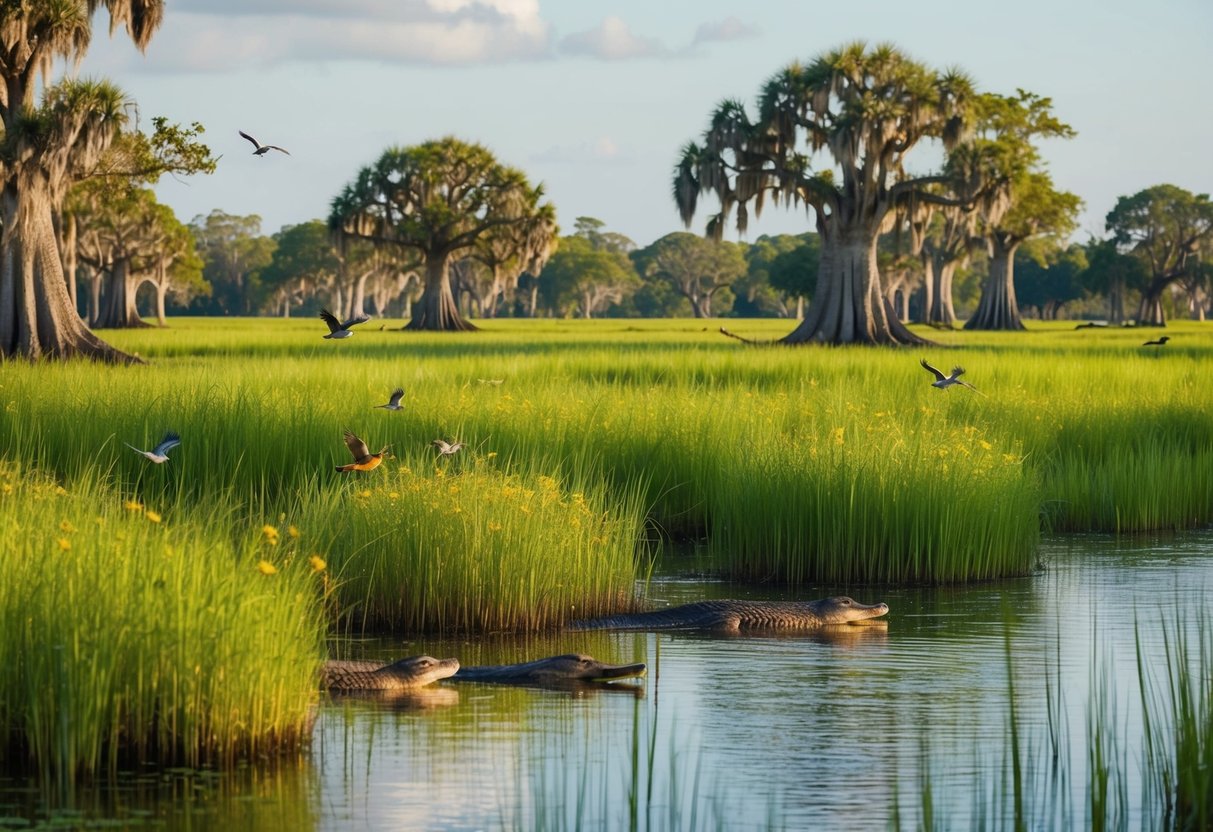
column 414, row 672
column 732, row 616
column 405, row 674
column 569, row 669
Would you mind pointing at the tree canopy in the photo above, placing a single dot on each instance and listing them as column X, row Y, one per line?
column 444, row 199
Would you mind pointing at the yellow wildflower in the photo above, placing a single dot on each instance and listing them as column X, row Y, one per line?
column 364, row 493
column 267, row 568
column 838, row 436
column 393, row 495
column 152, row 516
column 8, row 488
column 292, row 531
column 490, row 454
column 317, row 562
column 67, row 527
column 60, row 490
column 132, row 505
column 984, row 444
column 65, row 544
column 270, row 532
column 495, row 527
column 547, row 483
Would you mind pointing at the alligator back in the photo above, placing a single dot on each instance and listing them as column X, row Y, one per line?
column 730, row 616
column 412, row 672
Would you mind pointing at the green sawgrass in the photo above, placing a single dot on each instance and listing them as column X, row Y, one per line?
column 455, row 548
column 128, row 633
column 1086, row 430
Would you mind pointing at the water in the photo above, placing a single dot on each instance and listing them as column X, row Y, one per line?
column 838, row 729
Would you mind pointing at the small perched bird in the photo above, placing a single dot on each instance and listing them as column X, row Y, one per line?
column 337, row 329
column 446, row 448
column 394, row 402
column 262, row 149
column 364, row 460
column 941, row 381
column 159, row 453
column 1158, row 343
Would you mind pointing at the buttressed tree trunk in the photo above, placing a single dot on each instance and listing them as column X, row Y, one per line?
column 37, row 317
column 998, row 308
column 436, row 309
column 850, row 306
column 120, row 310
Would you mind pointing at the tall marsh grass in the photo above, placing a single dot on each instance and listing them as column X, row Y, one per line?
column 129, row 633
column 798, row 465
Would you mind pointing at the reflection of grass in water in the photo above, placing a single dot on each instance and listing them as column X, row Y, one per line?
column 1173, row 759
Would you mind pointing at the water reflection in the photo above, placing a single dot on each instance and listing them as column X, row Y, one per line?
column 837, row 727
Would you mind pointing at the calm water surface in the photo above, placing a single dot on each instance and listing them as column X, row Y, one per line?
column 831, row 729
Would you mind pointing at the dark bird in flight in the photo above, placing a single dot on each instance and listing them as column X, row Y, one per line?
column 1164, row 339
column 393, row 403
column 364, row 460
column 943, row 382
column 262, row 149
column 159, row 453
column 338, row 329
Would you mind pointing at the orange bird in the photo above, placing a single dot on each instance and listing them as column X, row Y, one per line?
column 364, row 460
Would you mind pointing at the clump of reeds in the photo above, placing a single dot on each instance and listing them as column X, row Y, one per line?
column 131, row 631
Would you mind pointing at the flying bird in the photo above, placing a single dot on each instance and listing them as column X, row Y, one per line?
column 364, row 460
column 1162, row 340
column 393, row 403
column 262, row 149
column 446, row 448
column 159, row 453
column 943, row 382
column 337, row 329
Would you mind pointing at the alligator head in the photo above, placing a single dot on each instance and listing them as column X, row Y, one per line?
column 843, row 610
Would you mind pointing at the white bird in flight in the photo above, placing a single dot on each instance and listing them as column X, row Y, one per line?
column 943, row 382
column 337, row 329
column 446, row 448
column 393, row 403
column 262, row 149
column 159, row 453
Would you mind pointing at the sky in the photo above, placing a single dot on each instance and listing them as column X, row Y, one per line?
column 595, row 99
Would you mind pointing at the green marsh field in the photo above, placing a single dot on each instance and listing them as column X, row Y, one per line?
column 590, row 447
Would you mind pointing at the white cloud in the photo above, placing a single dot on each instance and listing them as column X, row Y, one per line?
column 611, row 40
column 728, row 29
column 221, row 35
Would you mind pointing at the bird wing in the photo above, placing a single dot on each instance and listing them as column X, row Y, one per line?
column 397, row 395
column 354, row 321
column 938, row 375
column 276, row 147
column 256, row 143
column 170, row 441
column 357, row 447
column 441, row 445
column 456, row 447
column 330, row 319
column 957, row 372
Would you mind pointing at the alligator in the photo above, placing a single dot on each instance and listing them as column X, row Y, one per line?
column 405, row 674
column 733, row 616
column 568, row 670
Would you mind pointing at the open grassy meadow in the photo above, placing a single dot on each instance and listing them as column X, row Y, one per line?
column 588, row 446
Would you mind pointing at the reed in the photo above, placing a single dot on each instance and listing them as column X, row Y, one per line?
column 796, row 464
column 133, row 631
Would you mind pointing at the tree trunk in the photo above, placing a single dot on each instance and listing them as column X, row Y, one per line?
column 1116, row 302
column 849, row 306
column 94, row 296
column 358, row 304
column 37, row 318
column 997, row 308
column 120, row 311
column 1149, row 311
column 436, row 310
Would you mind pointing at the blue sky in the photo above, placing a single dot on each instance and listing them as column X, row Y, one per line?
column 595, row 99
